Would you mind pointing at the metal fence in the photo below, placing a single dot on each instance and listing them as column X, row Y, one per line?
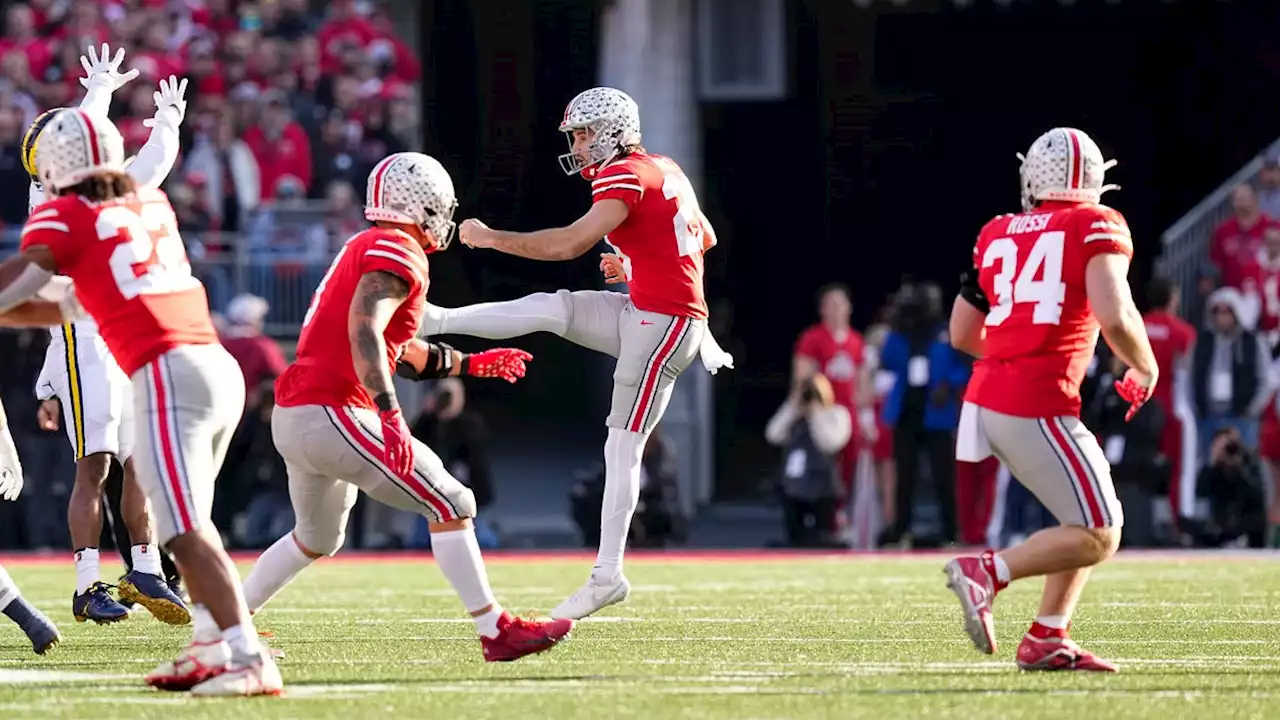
column 280, row 255
column 1186, row 243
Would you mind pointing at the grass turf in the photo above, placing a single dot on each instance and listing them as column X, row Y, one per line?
column 754, row 636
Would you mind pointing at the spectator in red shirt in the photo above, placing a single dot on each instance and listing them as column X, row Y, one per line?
column 1171, row 341
column 832, row 347
column 1237, row 240
column 259, row 356
column 346, row 28
column 20, row 34
column 280, row 145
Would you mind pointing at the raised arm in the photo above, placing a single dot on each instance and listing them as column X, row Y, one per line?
column 562, row 243
column 156, row 158
column 102, row 78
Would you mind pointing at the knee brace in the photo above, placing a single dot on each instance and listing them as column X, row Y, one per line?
column 323, row 541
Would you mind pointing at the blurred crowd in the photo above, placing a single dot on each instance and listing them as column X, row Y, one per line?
column 868, row 430
column 288, row 101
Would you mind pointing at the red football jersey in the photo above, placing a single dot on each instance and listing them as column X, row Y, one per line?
column 130, row 271
column 324, row 372
column 661, row 241
column 1261, row 278
column 1041, row 331
column 1171, row 338
column 838, row 359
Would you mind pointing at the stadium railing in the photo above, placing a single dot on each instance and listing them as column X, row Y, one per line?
column 281, row 255
column 1185, row 245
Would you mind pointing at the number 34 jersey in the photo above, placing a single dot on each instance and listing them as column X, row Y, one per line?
column 1041, row 331
column 662, row 240
column 130, row 271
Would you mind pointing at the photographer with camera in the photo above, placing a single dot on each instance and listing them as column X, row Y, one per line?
column 812, row 429
column 1232, row 485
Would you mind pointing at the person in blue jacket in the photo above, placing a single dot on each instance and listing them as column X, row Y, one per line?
column 924, row 404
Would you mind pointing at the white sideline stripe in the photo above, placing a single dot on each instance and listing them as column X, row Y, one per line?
column 12, row 676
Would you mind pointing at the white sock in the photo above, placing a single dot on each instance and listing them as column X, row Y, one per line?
column 86, row 568
column 539, row 312
column 275, row 568
column 8, row 590
column 1057, row 622
column 622, row 452
column 146, row 559
column 243, row 640
column 458, row 555
column 204, row 629
column 1002, row 570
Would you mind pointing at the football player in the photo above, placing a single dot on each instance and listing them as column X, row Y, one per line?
column 1044, row 281
column 82, row 380
column 119, row 245
column 337, row 422
column 645, row 208
column 42, row 633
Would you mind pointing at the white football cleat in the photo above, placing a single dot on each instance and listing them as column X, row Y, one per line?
column 593, row 597
column 197, row 662
column 260, row 676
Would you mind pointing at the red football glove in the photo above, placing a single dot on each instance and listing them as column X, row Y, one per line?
column 505, row 363
column 397, row 443
column 1133, row 391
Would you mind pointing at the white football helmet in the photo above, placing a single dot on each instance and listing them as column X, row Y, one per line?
column 76, row 145
column 1063, row 164
column 611, row 115
column 414, row 189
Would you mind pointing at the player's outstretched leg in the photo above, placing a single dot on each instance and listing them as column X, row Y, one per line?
column 1059, row 461
column 607, row 585
column 586, row 317
column 39, row 629
column 145, row 583
column 92, row 599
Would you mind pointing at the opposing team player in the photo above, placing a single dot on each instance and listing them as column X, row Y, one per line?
column 42, row 633
column 120, row 247
column 337, row 422
column 1044, row 281
column 645, row 208
column 96, row 396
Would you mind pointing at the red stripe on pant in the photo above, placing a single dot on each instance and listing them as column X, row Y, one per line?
column 1092, row 504
column 650, row 387
column 378, row 454
column 172, row 470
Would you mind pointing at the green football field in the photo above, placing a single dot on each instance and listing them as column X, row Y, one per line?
column 704, row 636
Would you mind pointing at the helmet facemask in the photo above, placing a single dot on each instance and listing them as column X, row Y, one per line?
column 440, row 225
column 604, row 146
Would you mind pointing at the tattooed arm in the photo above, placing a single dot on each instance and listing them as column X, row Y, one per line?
column 377, row 297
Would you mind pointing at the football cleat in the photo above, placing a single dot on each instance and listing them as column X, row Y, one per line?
column 154, row 594
column 593, row 597
column 256, row 676
column 96, row 604
column 1047, row 649
column 974, row 586
column 197, row 662
column 40, row 630
column 518, row 637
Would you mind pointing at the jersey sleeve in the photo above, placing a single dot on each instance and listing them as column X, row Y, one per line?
column 50, row 225
column 389, row 256
column 618, row 182
column 809, row 345
column 1105, row 232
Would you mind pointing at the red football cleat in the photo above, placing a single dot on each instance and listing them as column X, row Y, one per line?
column 973, row 581
column 519, row 636
column 1045, row 648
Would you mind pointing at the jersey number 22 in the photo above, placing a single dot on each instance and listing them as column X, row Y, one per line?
column 1015, row 285
column 152, row 260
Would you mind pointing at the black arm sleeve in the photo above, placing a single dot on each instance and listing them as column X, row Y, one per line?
column 439, row 363
column 972, row 292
